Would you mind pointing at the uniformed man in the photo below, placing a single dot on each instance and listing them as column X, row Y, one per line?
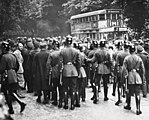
column 119, row 63
column 134, row 73
column 71, row 66
column 81, row 81
column 53, row 70
column 9, row 66
column 92, row 65
column 102, row 57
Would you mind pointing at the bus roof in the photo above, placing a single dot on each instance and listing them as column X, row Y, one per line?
column 92, row 13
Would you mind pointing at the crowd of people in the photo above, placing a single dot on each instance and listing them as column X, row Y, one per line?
column 59, row 70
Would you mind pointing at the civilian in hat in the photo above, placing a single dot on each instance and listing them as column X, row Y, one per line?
column 145, row 59
column 41, row 81
column 31, row 81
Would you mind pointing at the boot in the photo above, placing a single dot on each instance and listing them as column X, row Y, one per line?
column 20, row 102
column 138, row 112
column 65, row 101
column 96, row 95
column 9, row 103
column 127, row 107
column 72, row 101
column 77, row 100
column 105, row 94
column 55, row 98
column 60, row 104
column 45, row 101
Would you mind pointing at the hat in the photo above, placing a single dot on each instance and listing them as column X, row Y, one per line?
column 43, row 44
column 36, row 44
column 12, row 43
column 5, row 45
column 139, row 48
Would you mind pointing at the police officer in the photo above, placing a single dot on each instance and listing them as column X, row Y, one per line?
column 102, row 57
column 81, row 81
column 134, row 74
column 53, row 66
column 9, row 66
column 119, row 63
column 71, row 65
column 92, row 69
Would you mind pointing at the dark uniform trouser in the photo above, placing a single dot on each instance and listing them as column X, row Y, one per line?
column 69, row 84
column 56, row 84
column 105, row 78
column 81, row 87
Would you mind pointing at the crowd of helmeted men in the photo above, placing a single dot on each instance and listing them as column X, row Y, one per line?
column 59, row 70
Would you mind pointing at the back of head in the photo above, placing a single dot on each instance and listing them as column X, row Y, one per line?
column 68, row 40
column 95, row 43
column 126, row 45
column 132, row 48
column 43, row 45
column 56, row 43
column 5, row 46
column 102, row 43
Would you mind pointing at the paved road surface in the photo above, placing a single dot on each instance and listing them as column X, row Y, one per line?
column 87, row 111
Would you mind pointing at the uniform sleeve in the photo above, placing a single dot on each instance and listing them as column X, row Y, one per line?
column 142, row 67
column 124, row 69
column 3, row 65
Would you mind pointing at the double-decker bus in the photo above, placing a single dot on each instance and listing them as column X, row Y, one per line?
column 101, row 24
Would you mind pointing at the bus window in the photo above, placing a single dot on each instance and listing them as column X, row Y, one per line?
column 119, row 16
column 95, row 18
column 113, row 16
column 108, row 16
column 102, row 17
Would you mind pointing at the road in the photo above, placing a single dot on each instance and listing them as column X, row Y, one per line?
column 88, row 111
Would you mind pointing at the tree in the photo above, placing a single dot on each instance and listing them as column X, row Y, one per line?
column 10, row 12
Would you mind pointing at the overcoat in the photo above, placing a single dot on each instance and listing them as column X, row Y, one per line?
column 41, row 82
column 53, row 64
column 101, row 56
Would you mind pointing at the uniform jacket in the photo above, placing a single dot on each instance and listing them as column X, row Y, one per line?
column 90, row 55
column 100, row 56
column 131, row 64
column 119, row 63
column 71, row 61
column 9, row 62
column 41, row 83
column 53, row 64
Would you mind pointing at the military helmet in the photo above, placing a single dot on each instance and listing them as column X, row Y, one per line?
column 126, row 45
column 76, row 45
column 102, row 43
column 95, row 43
column 56, row 43
column 5, row 46
column 69, row 40
column 132, row 48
